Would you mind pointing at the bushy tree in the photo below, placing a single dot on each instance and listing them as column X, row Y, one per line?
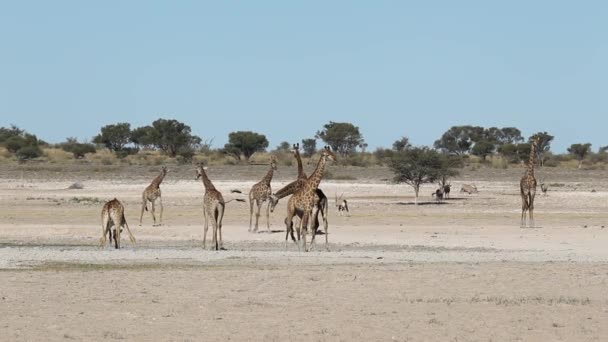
column 78, row 150
column 342, row 137
column 171, row 136
column 245, row 143
column 309, row 147
column 509, row 152
column 602, row 149
column 402, row 144
column 24, row 145
column 580, row 151
column 544, row 145
column 143, row 137
column 284, row 146
column 459, row 139
column 502, row 136
column 482, row 149
column 418, row 165
column 114, row 137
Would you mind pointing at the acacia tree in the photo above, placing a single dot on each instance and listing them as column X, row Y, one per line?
column 172, row 137
column 402, row 144
column 580, row 151
column 245, row 143
column 482, row 149
column 459, row 139
column 114, row 137
column 342, row 137
column 419, row 165
column 309, row 146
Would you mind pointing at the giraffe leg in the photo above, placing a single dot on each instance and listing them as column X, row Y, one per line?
column 268, row 217
column 314, row 223
column 304, row 229
column 214, row 215
column 250, row 212
column 160, row 199
column 524, row 206
column 531, row 210
column 153, row 211
column 143, row 207
column 220, row 217
column 117, row 233
column 324, row 213
column 206, row 226
column 104, row 228
column 131, row 237
column 258, row 204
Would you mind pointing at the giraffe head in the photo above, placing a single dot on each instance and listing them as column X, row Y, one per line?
column 328, row 154
column 164, row 170
column 200, row 169
column 295, row 149
column 273, row 163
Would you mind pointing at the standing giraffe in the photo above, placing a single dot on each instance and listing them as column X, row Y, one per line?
column 151, row 194
column 260, row 192
column 304, row 203
column 113, row 214
column 213, row 208
column 298, row 184
column 527, row 187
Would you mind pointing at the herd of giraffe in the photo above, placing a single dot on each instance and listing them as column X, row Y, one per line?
column 307, row 201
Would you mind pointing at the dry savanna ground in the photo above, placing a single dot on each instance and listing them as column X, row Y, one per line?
column 462, row 270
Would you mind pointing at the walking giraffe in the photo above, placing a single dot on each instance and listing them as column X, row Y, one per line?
column 113, row 215
column 151, row 194
column 260, row 192
column 527, row 186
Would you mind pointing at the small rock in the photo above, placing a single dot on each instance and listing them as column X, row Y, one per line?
column 76, row 186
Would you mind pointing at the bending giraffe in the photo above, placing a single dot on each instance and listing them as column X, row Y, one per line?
column 259, row 193
column 527, row 186
column 151, row 194
column 113, row 215
column 304, row 203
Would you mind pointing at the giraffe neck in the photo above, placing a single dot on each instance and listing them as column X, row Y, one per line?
column 206, row 181
column 301, row 173
column 315, row 179
column 268, row 177
column 159, row 179
column 532, row 160
column 290, row 188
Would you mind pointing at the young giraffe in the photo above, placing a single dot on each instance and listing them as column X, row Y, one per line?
column 150, row 194
column 113, row 214
column 260, row 192
column 304, row 203
column 527, row 187
column 213, row 208
column 298, row 184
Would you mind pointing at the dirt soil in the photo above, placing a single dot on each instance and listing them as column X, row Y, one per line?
column 460, row 270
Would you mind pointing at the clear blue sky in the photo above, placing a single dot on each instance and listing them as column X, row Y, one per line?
column 284, row 68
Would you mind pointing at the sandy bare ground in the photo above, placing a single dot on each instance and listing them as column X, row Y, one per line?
column 462, row 270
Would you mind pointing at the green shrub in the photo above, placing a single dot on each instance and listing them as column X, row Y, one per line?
column 29, row 152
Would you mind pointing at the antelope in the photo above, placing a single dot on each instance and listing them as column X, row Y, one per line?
column 341, row 205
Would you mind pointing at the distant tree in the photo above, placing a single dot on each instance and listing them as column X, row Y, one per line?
column 580, row 151
column 284, row 146
column 245, row 143
column 402, row 144
column 143, row 137
column 509, row 152
column 502, row 136
column 17, row 141
column 309, row 147
column 418, row 165
column 114, row 137
column 171, row 136
column 342, row 137
column 523, row 152
column 544, row 145
column 459, row 139
column 603, row 149
column 482, row 149
column 78, row 150
column 29, row 152
column 13, row 131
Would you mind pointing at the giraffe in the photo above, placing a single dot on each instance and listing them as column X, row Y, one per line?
column 260, row 192
column 527, row 187
column 113, row 214
column 304, row 202
column 150, row 194
column 298, row 184
column 213, row 208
